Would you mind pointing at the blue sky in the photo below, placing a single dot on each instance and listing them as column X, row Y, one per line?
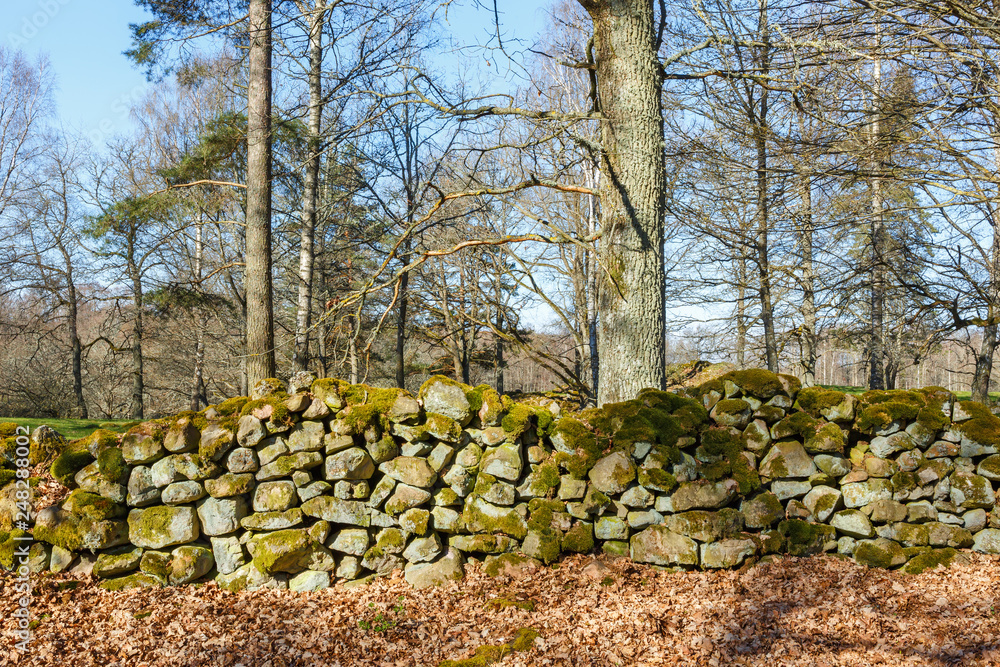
column 84, row 40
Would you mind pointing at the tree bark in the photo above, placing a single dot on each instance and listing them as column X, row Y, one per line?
column 988, row 347
column 761, row 129
column 310, row 190
column 808, row 277
column 198, row 393
column 259, row 299
column 138, row 380
column 77, row 349
column 632, row 316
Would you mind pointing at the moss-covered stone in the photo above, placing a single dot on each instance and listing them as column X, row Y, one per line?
column 756, row 382
column 879, row 553
column 930, row 560
column 67, row 464
column 93, row 505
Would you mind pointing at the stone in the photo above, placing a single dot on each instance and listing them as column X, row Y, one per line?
column 60, row 559
column 216, row 441
column 440, row 456
column 188, row 563
column 139, row 449
column 660, row 546
column 230, row 484
column 832, row 464
column 314, row 489
column 415, row 521
column 261, row 521
column 228, row 554
column 469, row 456
column 180, row 493
column 284, row 466
column 351, row 541
column 353, row 464
column 290, row 551
column 423, row 549
column 249, row 578
column 307, row 436
column 945, row 535
column 446, row 568
column 879, row 553
column 447, row 398
column 381, row 491
column 90, row 479
column 483, row 517
column 637, row 497
column 317, row 410
column 158, row 527
column 787, row 460
column 410, row 470
column 757, row 436
column 310, row 580
column 786, row 489
column 182, row 437
column 221, row 516
column 881, row 468
column 271, row 449
column 113, row 565
column 943, row 449
column 884, row 446
column 987, row 541
column 975, row 520
column 494, row 491
column 404, row 409
column 274, row 496
column 613, row 473
column 706, row 526
column 446, row 520
column 971, row 491
column 611, row 528
column 762, row 511
column 351, row 489
column 242, row 460
column 859, row 494
column 921, row 512
column 141, row 489
column 249, row 431
column 703, row 494
column 822, row 502
column 853, row 523
column 571, row 489
column 503, row 462
column 727, row 553
column 334, row 510
column 406, row 497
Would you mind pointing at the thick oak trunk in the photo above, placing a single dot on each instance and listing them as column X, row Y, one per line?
column 633, row 186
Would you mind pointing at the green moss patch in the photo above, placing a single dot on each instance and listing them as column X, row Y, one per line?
column 67, row 464
column 756, row 382
column 489, row 655
column 881, row 408
column 814, row 400
column 111, row 465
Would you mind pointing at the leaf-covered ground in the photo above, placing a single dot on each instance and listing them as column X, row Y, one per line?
column 816, row 611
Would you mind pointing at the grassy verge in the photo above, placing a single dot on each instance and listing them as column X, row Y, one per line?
column 72, row 428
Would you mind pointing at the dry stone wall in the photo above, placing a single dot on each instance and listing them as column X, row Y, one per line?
column 302, row 485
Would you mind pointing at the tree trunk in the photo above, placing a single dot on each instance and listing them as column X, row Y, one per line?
column 632, row 318
column 808, row 282
column 77, row 349
column 138, row 382
column 761, row 129
column 404, row 285
column 310, row 190
column 876, row 366
column 260, row 312
column 741, row 312
column 198, row 393
column 984, row 360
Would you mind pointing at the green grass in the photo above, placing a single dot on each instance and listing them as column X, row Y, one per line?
column 72, row 428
